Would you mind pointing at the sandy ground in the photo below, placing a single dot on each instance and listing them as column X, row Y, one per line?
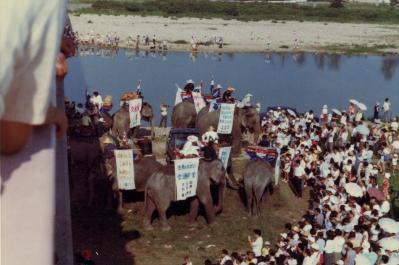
column 241, row 36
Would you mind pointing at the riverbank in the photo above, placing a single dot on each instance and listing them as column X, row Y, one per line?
column 249, row 36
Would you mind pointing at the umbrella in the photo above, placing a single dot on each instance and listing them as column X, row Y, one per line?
column 389, row 225
column 376, row 193
column 354, row 101
column 362, row 130
column 354, row 190
column 361, row 106
column 389, row 243
column 291, row 112
column 395, row 144
column 362, row 259
column 336, row 112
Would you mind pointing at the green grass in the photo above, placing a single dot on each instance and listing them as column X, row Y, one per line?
column 359, row 13
column 205, row 242
column 358, row 49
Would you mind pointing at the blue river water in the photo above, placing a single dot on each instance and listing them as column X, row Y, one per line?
column 303, row 80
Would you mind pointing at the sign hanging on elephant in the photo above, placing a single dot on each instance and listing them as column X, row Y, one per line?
column 199, row 102
column 135, row 112
column 226, row 118
column 125, row 169
column 186, row 175
column 224, row 154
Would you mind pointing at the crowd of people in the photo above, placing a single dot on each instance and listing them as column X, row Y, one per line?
column 347, row 163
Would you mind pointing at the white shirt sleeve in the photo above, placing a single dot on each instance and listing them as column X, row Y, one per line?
column 33, row 34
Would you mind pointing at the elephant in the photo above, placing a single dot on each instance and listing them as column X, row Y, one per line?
column 184, row 115
column 121, row 121
column 257, row 176
column 244, row 119
column 85, row 151
column 144, row 167
column 161, row 189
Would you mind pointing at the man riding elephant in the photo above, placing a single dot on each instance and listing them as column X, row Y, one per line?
column 244, row 119
column 121, row 120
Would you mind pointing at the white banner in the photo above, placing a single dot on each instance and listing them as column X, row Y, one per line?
column 178, row 96
column 125, row 169
column 226, row 118
column 135, row 112
column 224, row 154
column 186, row 175
column 199, row 102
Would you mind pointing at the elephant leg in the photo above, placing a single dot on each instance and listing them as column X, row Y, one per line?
column 219, row 206
column 258, row 198
column 194, row 206
column 121, row 209
column 248, row 192
column 91, row 186
column 110, row 198
column 162, row 204
column 206, row 200
column 152, row 129
column 164, row 221
column 149, row 210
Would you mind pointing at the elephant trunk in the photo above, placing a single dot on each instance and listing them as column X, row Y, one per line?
column 257, row 130
column 221, row 188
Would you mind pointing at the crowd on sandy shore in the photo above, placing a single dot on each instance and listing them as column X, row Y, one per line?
column 342, row 159
column 236, row 36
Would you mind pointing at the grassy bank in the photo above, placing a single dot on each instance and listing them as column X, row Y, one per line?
column 357, row 49
column 358, row 13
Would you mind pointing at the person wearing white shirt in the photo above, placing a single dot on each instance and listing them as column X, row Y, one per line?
column 339, row 242
column 386, row 106
column 394, row 125
column 31, row 32
column 210, row 136
column 256, row 242
column 225, row 257
column 97, row 100
column 329, row 249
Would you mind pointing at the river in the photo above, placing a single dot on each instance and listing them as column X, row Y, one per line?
column 302, row 80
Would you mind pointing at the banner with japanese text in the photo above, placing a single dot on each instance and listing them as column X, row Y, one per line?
column 125, row 169
column 224, row 154
column 186, row 175
column 199, row 101
column 135, row 112
column 226, row 118
column 178, row 98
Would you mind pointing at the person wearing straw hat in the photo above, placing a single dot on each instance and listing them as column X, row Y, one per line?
column 216, row 91
column 228, row 95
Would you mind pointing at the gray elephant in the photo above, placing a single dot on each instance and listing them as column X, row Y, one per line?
column 143, row 169
column 184, row 115
column 121, row 121
column 244, row 119
column 86, row 152
column 257, row 176
column 161, row 191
